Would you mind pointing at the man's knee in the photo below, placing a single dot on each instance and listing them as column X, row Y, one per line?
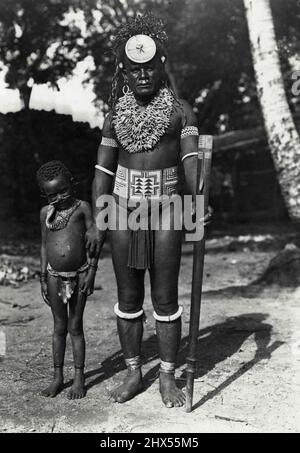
column 131, row 300
column 75, row 327
column 165, row 302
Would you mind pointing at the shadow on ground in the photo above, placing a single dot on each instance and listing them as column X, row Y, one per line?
column 250, row 291
column 215, row 344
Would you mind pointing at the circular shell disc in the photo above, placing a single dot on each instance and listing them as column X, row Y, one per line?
column 140, row 48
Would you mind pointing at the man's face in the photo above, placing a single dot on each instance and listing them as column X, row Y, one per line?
column 144, row 79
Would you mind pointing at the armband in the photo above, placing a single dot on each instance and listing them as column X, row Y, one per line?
column 105, row 170
column 105, row 141
column 189, row 155
column 189, row 130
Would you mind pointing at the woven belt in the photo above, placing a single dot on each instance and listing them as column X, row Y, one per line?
column 147, row 184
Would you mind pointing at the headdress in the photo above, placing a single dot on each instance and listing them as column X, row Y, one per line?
column 148, row 25
column 140, row 38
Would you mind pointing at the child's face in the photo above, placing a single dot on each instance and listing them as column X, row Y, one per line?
column 58, row 191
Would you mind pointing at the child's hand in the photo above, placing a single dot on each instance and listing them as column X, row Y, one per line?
column 44, row 291
column 88, row 284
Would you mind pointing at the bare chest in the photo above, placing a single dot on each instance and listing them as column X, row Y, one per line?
column 164, row 154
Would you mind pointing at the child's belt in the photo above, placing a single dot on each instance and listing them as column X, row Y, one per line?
column 71, row 274
column 148, row 184
column 67, row 281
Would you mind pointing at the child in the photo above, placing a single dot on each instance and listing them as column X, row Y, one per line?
column 66, row 277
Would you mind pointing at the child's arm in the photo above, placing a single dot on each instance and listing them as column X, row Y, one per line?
column 88, row 285
column 44, row 261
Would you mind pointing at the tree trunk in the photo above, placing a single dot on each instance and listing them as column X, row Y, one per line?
column 25, row 92
column 282, row 135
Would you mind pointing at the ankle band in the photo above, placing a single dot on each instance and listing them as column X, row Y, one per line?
column 133, row 363
column 167, row 367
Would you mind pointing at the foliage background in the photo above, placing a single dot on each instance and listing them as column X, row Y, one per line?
column 209, row 63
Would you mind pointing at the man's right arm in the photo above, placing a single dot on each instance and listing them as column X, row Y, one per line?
column 107, row 161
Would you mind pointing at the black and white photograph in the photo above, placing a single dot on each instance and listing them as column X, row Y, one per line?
column 149, row 219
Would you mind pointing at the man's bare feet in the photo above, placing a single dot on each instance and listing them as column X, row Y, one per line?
column 171, row 395
column 56, row 385
column 78, row 389
column 131, row 386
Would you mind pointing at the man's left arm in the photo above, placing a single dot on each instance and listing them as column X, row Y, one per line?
column 189, row 154
column 189, row 148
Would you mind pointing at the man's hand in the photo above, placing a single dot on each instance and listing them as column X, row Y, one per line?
column 94, row 240
column 89, row 281
column 44, row 291
column 208, row 215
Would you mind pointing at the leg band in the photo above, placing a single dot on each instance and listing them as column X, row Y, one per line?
column 167, row 367
column 134, row 363
column 123, row 315
column 168, row 318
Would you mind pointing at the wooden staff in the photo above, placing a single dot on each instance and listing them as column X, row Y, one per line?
column 203, row 175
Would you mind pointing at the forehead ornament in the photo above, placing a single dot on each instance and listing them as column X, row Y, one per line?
column 140, row 48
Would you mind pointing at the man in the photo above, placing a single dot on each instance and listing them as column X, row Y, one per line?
column 146, row 134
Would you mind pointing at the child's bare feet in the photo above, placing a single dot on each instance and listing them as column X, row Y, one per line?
column 56, row 385
column 78, row 389
column 130, row 387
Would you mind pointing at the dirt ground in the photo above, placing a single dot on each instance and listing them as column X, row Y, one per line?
column 249, row 357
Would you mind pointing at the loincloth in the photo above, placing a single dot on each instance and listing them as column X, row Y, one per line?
column 67, row 281
column 143, row 186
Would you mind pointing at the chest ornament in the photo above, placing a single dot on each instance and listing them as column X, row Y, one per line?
column 57, row 220
column 140, row 130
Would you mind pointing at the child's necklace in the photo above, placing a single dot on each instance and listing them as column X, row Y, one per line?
column 60, row 218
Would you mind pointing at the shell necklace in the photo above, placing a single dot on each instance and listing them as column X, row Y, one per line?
column 57, row 220
column 140, row 130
